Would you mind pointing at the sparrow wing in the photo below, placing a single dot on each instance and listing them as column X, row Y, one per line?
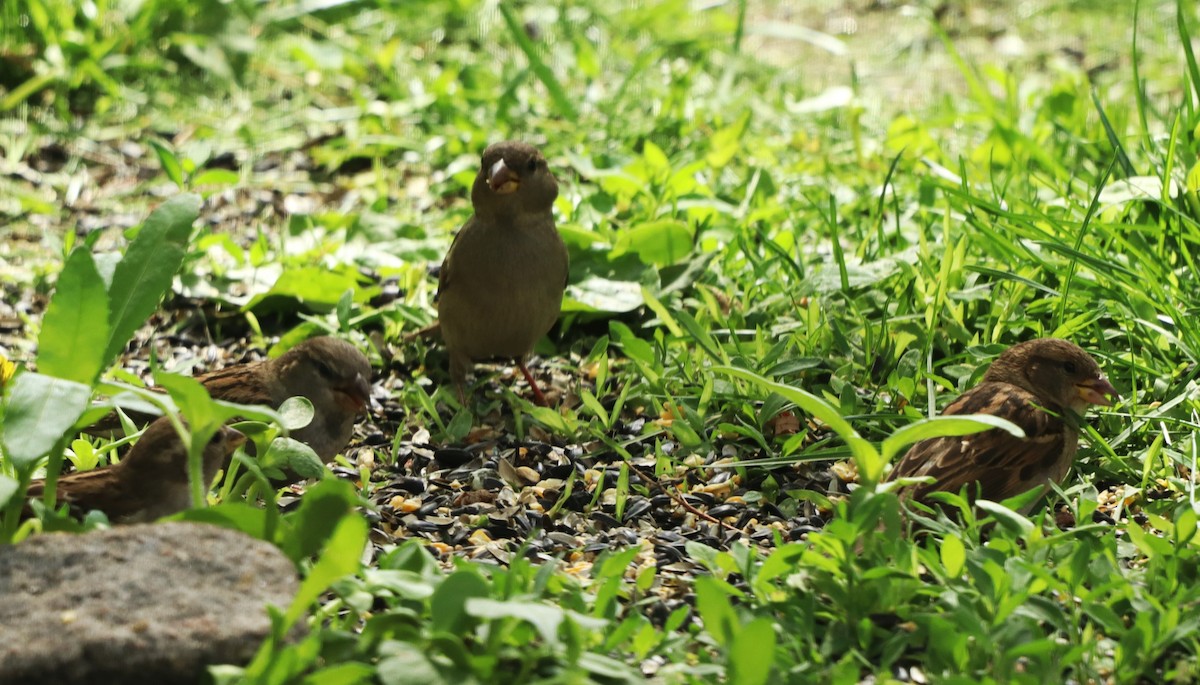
column 101, row 489
column 241, row 383
column 444, row 274
column 1002, row 464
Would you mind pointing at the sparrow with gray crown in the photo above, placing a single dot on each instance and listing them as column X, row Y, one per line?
column 1043, row 386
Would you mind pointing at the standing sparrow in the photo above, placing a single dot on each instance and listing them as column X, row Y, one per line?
column 150, row 482
column 1044, row 386
column 502, row 281
column 331, row 373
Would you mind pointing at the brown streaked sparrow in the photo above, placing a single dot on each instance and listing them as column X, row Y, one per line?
column 1044, row 386
column 150, row 482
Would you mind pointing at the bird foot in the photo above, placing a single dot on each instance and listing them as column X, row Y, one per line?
column 537, row 392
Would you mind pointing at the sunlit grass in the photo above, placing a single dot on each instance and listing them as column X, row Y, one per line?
column 719, row 214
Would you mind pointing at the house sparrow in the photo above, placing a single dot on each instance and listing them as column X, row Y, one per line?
column 150, row 482
column 1044, row 386
column 333, row 374
column 502, row 281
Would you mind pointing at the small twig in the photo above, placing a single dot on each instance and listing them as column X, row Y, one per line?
column 678, row 499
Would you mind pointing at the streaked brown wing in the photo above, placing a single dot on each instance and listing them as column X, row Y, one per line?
column 98, row 489
column 444, row 272
column 1002, row 464
column 240, row 384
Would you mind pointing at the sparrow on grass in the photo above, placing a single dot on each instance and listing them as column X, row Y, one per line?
column 1043, row 386
column 333, row 374
column 149, row 483
column 502, row 282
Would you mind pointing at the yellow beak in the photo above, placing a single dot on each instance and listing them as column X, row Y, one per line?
column 502, row 180
column 1097, row 391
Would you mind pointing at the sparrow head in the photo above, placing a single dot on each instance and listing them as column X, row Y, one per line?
column 1059, row 372
column 160, row 455
column 513, row 178
column 327, row 366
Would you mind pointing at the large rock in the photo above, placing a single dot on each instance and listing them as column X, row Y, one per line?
column 138, row 604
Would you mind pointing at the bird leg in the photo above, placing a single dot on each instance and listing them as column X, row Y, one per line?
column 537, row 392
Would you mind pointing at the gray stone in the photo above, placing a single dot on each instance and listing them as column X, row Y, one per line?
column 137, row 604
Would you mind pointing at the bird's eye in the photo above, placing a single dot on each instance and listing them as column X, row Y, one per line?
column 324, row 369
column 532, row 165
column 1069, row 366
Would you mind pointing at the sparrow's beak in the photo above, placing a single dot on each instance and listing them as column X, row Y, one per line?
column 502, row 180
column 237, row 439
column 1097, row 391
column 358, row 391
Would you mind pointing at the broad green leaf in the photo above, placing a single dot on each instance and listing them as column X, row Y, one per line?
column 684, row 433
column 83, row 456
column 954, row 555
column 1025, row 499
column 250, row 412
column 8, row 488
column 145, row 272
column 660, row 242
column 345, row 673
column 1185, row 527
column 321, row 510
column 448, row 606
column 299, row 457
column 546, row 618
column 942, row 426
column 556, row 422
column 1005, row 516
column 599, row 294
column 715, row 609
column 296, row 413
column 408, row 665
column 204, row 417
column 411, row 556
column 191, row 397
column 340, row 558
column 404, row 584
column 543, row 617
column 344, row 304
column 170, row 164
column 215, row 177
column 75, row 328
column 857, row 275
column 593, row 405
column 39, row 410
column 317, row 288
column 247, row 518
column 752, row 652
column 1150, row 544
column 726, row 142
column 608, row 668
column 655, row 159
